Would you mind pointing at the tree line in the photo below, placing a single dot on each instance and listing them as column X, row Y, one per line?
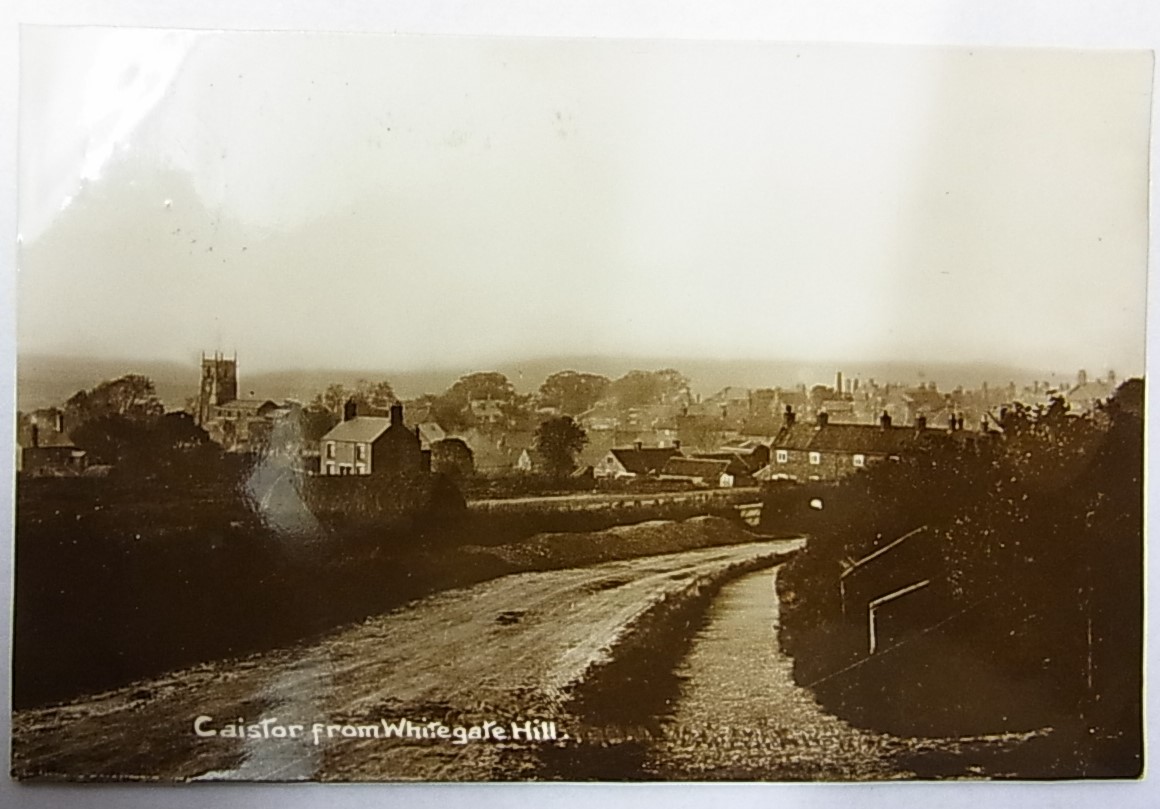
column 123, row 419
column 1032, row 542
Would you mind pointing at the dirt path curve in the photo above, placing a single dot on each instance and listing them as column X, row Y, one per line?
column 741, row 715
column 505, row 651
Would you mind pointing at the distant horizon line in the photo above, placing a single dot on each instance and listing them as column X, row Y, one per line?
column 643, row 361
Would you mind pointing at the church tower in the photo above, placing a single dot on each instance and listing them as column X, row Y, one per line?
column 219, row 385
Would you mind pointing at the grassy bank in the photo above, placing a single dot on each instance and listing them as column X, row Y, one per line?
column 119, row 579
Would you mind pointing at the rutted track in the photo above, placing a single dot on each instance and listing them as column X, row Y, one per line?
column 510, row 649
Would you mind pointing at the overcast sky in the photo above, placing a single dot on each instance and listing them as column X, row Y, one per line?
column 373, row 202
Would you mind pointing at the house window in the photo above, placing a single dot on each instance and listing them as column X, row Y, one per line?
column 815, row 458
column 783, row 456
column 329, row 449
column 859, row 460
column 360, row 452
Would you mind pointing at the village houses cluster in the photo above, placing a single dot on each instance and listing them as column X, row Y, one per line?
column 739, row 436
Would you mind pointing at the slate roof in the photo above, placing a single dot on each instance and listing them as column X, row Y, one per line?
column 1091, row 391
column 741, row 447
column 644, row 460
column 737, row 463
column 363, row 429
column 704, row 468
column 250, row 405
column 871, row 439
column 925, row 397
column 431, row 431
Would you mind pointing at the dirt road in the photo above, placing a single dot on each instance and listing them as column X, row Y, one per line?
column 504, row 652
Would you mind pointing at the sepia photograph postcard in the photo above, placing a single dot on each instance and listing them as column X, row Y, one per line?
column 418, row 408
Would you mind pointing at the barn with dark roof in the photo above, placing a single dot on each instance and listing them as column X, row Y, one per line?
column 635, row 461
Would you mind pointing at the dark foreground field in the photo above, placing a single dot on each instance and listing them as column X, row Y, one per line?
column 515, row 648
column 126, row 577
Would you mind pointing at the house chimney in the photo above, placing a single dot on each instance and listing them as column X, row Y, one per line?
column 35, row 433
column 823, row 418
column 790, row 416
column 349, row 410
column 638, row 445
column 884, row 420
column 60, row 421
column 920, row 422
column 676, row 443
column 397, row 414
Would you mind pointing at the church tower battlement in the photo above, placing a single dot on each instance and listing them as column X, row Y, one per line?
column 219, row 385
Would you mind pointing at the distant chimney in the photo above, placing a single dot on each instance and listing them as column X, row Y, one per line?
column 35, row 432
column 349, row 410
column 884, row 419
column 838, row 385
column 790, row 416
column 920, row 422
column 1081, row 377
column 397, row 414
column 823, row 418
column 983, row 424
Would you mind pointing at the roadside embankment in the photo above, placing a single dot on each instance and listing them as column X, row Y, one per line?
column 514, row 648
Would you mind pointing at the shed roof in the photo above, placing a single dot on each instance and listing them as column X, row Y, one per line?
column 704, row 468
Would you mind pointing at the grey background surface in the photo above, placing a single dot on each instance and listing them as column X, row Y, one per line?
column 1073, row 24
